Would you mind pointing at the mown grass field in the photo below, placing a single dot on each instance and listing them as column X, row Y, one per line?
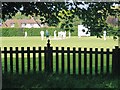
column 88, row 42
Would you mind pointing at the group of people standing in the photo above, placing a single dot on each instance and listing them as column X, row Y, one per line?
column 42, row 34
column 61, row 34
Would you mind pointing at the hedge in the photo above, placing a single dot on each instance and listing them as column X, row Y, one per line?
column 32, row 31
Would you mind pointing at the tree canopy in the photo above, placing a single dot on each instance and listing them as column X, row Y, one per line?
column 94, row 16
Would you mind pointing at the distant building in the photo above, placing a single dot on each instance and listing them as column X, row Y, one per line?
column 23, row 23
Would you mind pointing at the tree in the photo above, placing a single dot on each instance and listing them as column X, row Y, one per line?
column 18, row 15
column 116, row 13
column 67, row 16
column 94, row 17
column 49, row 10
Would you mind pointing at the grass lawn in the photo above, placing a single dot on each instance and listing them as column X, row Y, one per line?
column 88, row 42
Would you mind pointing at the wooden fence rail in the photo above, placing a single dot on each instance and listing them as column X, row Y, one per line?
column 64, row 61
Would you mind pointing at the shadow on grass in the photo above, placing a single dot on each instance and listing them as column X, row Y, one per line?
column 45, row 80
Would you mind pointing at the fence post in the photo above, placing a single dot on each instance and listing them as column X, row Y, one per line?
column 57, row 60
column 17, row 61
column 22, row 60
column 11, row 59
column 0, row 70
column 48, row 62
column 116, row 61
column 5, row 60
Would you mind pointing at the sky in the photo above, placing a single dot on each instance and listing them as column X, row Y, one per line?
column 80, row 6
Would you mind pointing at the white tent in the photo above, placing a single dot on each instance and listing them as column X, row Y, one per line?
column 82, row 31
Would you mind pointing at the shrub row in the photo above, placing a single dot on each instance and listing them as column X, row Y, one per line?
column 32, row 31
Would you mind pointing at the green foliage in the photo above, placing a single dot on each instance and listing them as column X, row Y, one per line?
column 94, row 17
column 12, row 32
column 32, row 31
column 19, row 15
column 67, row 20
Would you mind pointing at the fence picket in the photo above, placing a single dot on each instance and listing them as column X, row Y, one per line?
column 62, row 56
column 57, row 60
column 40, row 63
column 85, row 61
column 91, row 61
column 28, row 59
column 22, row 54
column 102, row 56
column 68, row 60
column 11, row 60
column 96, row 61
column 79, row 62
column 51, row 59
column 115, row 58
column 45, row 58
column 74, row 61
column 17, row 61
column 34, row 59
column 5, row 59
column 107, row 58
